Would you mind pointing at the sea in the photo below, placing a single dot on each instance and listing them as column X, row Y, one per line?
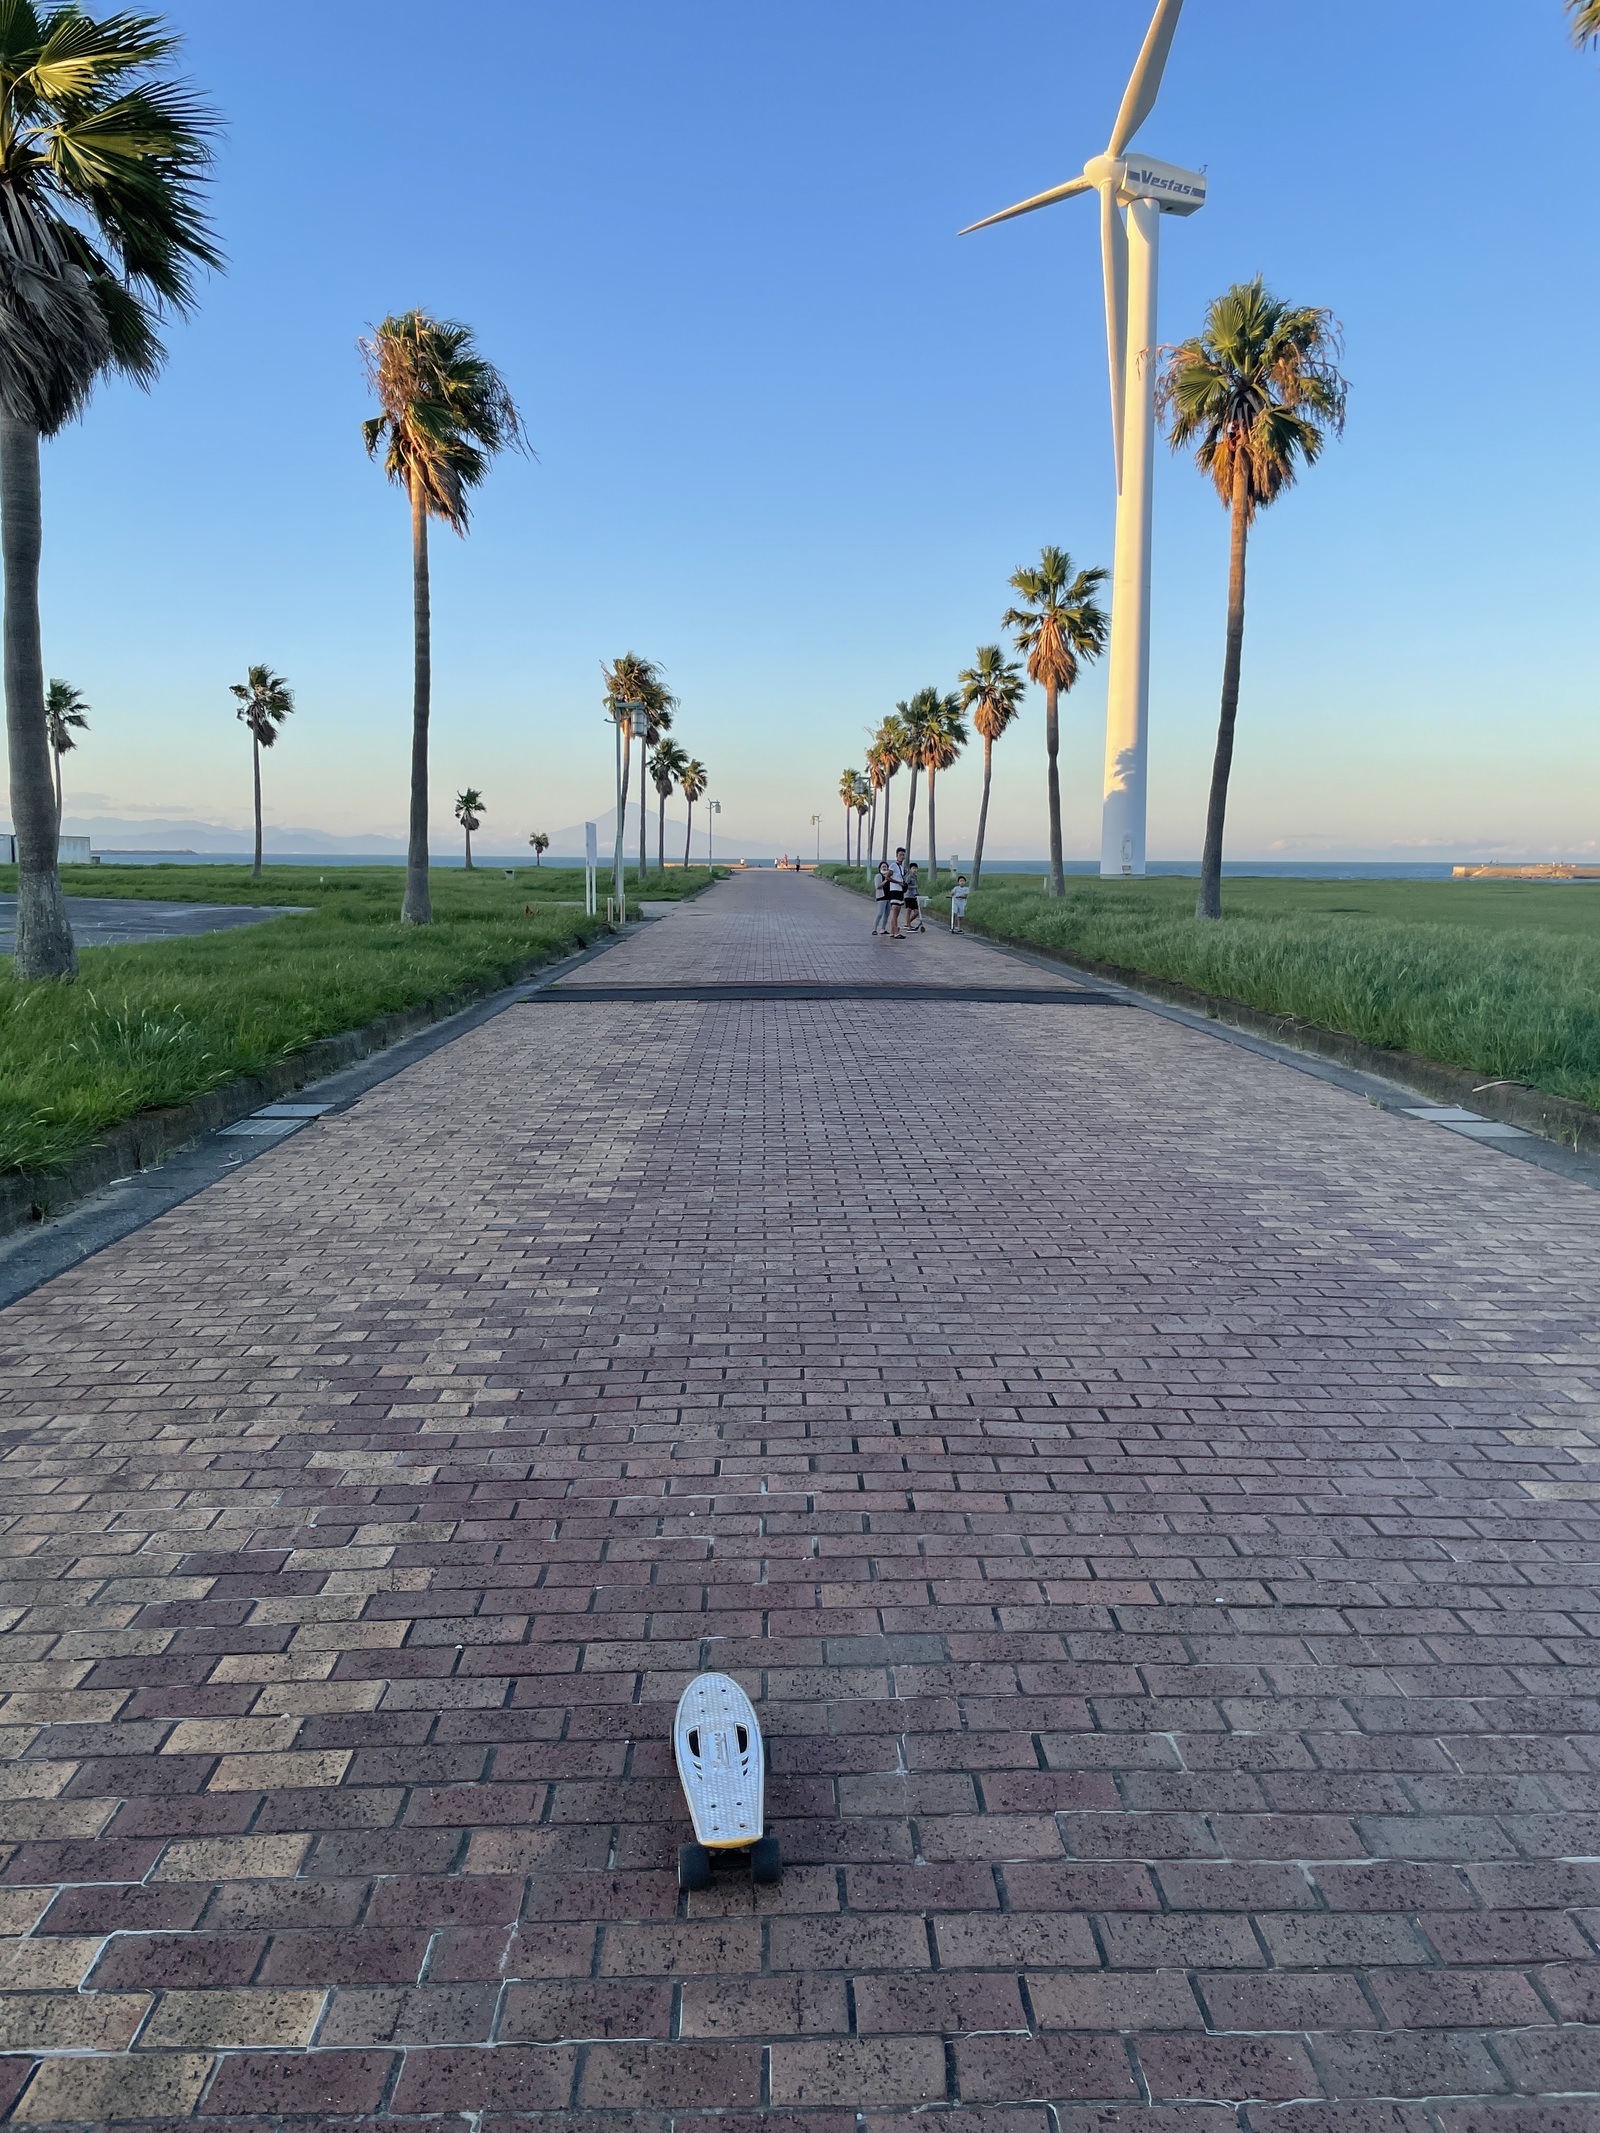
column 1289, row 869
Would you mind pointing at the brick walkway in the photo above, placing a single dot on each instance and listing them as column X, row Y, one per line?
column 1152, row 1494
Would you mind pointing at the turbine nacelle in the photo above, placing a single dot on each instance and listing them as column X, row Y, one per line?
column 1175, row 190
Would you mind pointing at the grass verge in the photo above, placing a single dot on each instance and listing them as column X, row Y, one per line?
column 159, row 1023
column 1499, row 978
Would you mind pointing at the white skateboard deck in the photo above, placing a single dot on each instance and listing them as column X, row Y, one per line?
column 717, row 1742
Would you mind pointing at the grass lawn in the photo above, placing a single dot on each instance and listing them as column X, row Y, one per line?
column 163, row 1021
column 1502, row 978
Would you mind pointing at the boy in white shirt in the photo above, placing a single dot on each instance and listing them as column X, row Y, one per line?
column 958, row 903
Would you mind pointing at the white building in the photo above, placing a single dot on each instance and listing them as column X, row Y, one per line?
column 74, row 850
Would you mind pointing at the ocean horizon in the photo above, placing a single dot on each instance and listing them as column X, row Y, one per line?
column 1295, row 869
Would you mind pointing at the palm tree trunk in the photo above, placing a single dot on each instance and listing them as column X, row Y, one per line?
column 688, row 832
column 911, row 808
column 661, row 836
column 417, row 908
column 644, row 852
column 1208, row 904
column 933, row 841
column 1052, row 749
column 872, row 827
column 45, row 947
column 983, row 811
column 255, row 767
column 468, row 835
column 56, row 754
column 888, row 781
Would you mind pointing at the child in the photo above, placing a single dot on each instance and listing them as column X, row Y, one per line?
column 958, row 903
column 913, row 900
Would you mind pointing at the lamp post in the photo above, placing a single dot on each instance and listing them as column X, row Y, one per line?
column 713, row 807
column 638, row 718
column 816, row 824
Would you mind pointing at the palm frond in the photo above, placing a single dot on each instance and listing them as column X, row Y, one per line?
column 1585, row 21
column 1256, row 392
column 446, row 411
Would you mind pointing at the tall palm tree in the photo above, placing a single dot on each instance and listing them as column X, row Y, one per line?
column 991, row 690
column 264, row 701
column 862, row 803
column 665, row 767
column 1059, row 626
column 692, row 782
column 446, row 413
column 633, row 679
column 102, row 158
column 847, row 798
column 1585, row 20
column 883, row 760
column 469, row 813
column 913, row 717
column 541, row 845
column 1257, row 392
column 65, row 713
column 943, row 737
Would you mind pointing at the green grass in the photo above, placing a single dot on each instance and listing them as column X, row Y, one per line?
column 1502, row 978
column 161, row 1022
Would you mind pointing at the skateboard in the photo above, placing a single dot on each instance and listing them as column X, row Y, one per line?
column 722, row 1767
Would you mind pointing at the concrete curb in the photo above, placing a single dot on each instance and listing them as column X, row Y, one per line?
column 150, row 1137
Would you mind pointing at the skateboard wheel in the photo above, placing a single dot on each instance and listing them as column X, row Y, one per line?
column 766, row 1860
column 694, row 1866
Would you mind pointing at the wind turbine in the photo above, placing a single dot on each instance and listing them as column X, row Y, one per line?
column 1142, row 190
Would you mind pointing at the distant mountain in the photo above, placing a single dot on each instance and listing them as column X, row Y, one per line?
column 117, row 833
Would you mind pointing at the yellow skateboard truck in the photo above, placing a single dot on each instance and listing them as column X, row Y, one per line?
column 722, row 1768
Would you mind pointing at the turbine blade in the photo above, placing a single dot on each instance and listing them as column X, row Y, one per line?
column 1114, row 262
column 1026, row 207
column 1144, row 83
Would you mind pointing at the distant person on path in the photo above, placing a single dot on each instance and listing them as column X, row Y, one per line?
column 913, row 901
column 897, row 892
column 880, row 897
column 958, row 903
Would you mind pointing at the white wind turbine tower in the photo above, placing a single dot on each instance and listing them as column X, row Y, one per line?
column 1142, row 190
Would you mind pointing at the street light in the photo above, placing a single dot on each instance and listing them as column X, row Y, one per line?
column 713, row 807
column 638, row 718
column 816, row 824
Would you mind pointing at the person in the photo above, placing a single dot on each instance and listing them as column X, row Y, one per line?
column 958, row 903
column 897, row 892
column 880, row 896
column 913, row 901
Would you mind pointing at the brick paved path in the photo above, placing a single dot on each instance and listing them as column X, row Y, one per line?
column 1152, row 1494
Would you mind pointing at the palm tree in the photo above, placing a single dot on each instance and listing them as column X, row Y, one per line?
column 633, row 679
column 664, row 768
column 882, row 763
column 446, row 414
column 101, row 163
column 847, row 796
column 692, row 782
column 943, row 737
column 1059, row 625
column 913, row 717
column 469, row 811
column 991, row 689
column 1585, row 20
column 1256, row 392
column 264, row 700
column 862, row 804
column 541, row 845
column 65, row 712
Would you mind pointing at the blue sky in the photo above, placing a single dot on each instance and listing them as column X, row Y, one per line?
column 794, row 434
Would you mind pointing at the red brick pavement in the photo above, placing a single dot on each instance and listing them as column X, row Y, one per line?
column 1151, row 1494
